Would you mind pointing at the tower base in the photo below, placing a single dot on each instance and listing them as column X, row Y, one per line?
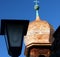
column 38, row 51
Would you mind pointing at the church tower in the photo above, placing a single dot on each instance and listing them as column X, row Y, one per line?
column 39, row 37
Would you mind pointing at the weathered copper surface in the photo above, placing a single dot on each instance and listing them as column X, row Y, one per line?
column 39, row 31
column 39, row 34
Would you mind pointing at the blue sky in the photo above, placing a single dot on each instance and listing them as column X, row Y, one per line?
column 24, row 9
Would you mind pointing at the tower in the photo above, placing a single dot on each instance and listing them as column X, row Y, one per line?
column 39, row 37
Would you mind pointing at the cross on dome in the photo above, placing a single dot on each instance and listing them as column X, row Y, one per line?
column 36, row 1
column 36, row 7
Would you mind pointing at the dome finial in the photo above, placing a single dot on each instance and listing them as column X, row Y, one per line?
column 36, row 7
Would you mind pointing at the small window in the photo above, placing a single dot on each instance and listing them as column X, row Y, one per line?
column 41, row 56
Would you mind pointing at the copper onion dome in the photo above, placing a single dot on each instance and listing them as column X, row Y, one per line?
column 39, row 31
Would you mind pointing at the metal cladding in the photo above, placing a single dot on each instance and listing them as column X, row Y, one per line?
column 39, row 31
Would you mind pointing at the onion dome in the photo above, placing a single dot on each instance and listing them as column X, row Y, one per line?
column 39, row 31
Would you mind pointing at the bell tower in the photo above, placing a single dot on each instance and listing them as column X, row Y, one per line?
column 39, row 37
